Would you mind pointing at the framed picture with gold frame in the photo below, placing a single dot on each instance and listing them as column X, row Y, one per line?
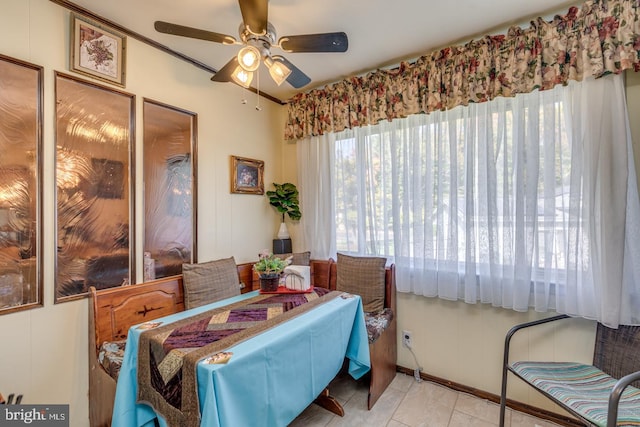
column 247, row 175
column 97, row 51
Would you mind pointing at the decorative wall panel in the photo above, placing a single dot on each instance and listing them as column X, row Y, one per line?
column 94, row 170
column 169, row 189
column 20, row 185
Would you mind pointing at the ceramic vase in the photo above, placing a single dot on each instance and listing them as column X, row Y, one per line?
column 283, row 232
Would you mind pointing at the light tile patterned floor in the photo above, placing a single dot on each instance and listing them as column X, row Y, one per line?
column 407, row 402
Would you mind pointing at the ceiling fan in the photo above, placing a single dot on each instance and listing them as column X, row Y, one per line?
column 258, row 36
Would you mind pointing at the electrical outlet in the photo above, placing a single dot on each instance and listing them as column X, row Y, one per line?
column 406, row 338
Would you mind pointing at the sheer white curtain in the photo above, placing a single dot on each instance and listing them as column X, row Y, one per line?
column 519, row 202
column 315, row 182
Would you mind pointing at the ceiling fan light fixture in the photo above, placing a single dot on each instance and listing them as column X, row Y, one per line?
column 242, row 77
column 257, row 36
column 249, row 58
column 277, row 70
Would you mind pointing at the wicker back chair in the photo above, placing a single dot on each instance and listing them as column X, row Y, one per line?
column 605, row 393
column 617, row 351
column 381, row 328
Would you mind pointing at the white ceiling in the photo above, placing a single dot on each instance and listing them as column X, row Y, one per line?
column 381, row 32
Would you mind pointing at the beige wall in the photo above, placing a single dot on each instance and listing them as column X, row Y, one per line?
column 464, row 342
column 44, row 351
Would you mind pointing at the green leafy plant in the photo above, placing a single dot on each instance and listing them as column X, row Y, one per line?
column 269, row 264
column 285, row 199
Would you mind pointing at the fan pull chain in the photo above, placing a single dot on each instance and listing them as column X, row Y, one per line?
column 243, row 94
column 258, row 107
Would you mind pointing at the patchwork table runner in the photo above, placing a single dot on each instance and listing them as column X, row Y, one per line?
column 168, row 354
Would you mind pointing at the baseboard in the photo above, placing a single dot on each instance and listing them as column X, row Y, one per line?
column 513, row 404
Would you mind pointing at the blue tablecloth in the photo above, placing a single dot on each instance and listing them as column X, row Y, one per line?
column 271, row 377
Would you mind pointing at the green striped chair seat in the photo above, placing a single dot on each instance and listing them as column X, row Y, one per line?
column 583, row 389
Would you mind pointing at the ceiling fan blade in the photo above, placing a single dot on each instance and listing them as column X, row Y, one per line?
column 297, row 78
column 224, row 73
column 255, row 15
column 194, row 33
column 325, row 42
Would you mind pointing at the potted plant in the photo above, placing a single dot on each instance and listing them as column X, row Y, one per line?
column 285, row 199
column 269, row 268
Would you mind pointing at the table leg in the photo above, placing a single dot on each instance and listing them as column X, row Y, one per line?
column 329, row 403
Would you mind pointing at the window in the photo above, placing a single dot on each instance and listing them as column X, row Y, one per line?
column 456, row 171
column 518, row 202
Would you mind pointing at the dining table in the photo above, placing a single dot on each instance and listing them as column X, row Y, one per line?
column 270, row 377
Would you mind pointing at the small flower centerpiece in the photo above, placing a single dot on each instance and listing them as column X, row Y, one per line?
column 269, row 268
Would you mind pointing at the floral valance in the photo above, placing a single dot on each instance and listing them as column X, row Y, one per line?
column 600, row 37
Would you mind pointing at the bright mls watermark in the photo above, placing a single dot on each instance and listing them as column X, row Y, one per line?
column 34, row 415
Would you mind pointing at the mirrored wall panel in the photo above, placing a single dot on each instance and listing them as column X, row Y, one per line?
column 94, row 158
column 169, row 189
column 20, row 185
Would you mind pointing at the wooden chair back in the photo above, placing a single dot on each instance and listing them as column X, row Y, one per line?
column 116, row 309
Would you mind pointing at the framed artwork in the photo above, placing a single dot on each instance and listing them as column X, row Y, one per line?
column 97, row 51
column 247, row 175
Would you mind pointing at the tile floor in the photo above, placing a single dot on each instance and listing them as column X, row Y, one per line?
column 407, row 402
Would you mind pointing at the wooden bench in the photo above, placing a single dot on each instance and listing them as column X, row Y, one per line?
column 113, row 311
column 384, row 351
